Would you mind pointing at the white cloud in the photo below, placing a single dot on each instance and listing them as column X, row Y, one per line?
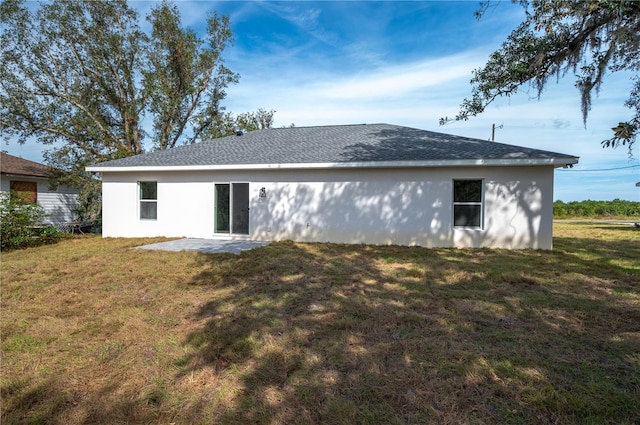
column 417, row 86
column 304, row 18
column 397, row 81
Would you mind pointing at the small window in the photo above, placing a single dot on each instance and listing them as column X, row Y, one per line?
column 467, row 203
column 148, row 200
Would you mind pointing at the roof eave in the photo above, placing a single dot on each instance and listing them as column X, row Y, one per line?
column 555, row 162
column 35, row 176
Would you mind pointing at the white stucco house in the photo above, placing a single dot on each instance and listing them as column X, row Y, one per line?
column 32, row 182
column 369, row 183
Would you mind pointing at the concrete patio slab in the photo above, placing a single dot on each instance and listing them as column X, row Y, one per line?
column 210, row 246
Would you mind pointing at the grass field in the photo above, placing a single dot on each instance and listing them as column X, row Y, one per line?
column 94, row 331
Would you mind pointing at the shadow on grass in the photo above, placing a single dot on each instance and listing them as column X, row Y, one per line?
column 321, row 333
column 625, row 228
column 51, row 402
column 325, row 333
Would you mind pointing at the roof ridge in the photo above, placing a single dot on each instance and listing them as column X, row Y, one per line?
column 323, row 126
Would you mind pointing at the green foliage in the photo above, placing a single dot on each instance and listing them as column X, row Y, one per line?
column 187, row 77
column 615, row 208
column 89, row 207
column 227, row 123
column 20, row 224
column 85, row 74
column 81, row 76
column 69, row 76
column 588, row 38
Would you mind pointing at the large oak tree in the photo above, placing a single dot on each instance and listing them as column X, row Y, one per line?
column 590, row 39
column 84, row 78
column 83, row 73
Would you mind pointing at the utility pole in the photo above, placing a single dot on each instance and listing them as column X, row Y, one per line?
column 493, row 131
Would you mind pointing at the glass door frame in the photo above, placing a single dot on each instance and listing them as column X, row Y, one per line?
column 230, row 207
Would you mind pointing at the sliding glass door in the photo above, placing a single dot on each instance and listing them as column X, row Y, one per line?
column 240, row 208
column 222, row 205
column 232, row 208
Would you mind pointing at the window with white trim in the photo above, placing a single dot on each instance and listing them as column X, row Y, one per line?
column 148, row 192
column 468, row 200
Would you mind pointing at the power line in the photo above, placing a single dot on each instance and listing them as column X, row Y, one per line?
column 602, row 169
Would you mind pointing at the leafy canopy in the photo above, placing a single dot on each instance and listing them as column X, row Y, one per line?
column 588, row 38
column 82, row 77
column 227, row 123
column 70, row 75
column 186, row 78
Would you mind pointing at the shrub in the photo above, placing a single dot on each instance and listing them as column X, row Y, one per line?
column 21, row 224
column 89, row 208
column 588, row 208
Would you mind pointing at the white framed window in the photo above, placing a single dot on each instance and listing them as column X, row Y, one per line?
column 468, row 203
column 148, row 194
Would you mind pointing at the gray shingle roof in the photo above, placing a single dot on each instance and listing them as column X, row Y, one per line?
column 333, row 144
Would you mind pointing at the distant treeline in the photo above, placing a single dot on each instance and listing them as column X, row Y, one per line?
column 615, row 208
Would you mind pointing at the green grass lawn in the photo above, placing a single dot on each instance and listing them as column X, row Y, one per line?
column 94, row 331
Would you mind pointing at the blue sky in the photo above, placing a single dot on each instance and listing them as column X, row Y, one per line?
column 408, row 63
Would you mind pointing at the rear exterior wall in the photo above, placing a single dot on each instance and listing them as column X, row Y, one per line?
column 371, row 206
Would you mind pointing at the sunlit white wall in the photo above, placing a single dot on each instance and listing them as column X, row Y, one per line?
column 373, row 206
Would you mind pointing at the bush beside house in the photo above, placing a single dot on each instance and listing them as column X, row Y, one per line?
column 21, row 224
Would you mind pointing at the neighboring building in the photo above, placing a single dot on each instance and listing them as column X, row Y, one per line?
column 373, row 184
column 31, row 181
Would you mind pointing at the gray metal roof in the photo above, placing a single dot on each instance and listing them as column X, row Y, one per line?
column 364, row 143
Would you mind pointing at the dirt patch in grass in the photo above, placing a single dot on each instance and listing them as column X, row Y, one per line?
column 94, row 331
